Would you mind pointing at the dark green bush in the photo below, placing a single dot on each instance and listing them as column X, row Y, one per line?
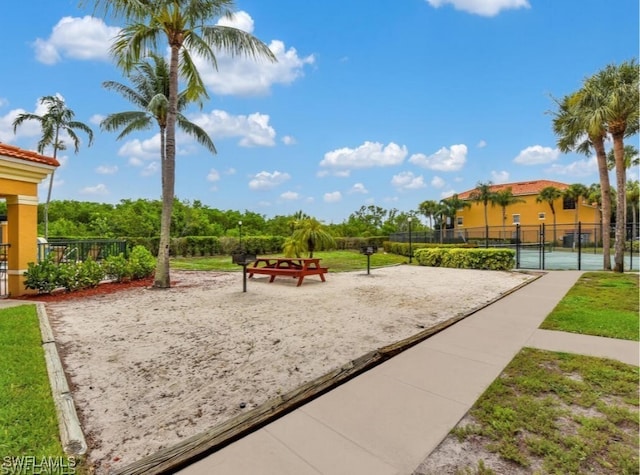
column 141, row 262
column 117, row 268
column 42, row 277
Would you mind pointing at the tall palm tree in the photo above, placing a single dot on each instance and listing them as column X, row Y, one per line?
column 504, row 198
column 550, row 194
column 576, row 192
column 428, row 208
column 149, row 92
column 182, row 26
column 311, row 235
column 483, row 193
column 56, row 120
column 452, row 205
column 618, row 92
column 579, row 127
column 631, row 157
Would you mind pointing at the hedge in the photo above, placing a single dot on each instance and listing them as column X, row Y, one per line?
column 490, row 259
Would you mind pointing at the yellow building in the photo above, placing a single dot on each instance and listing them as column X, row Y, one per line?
column 20, row 173
column 529, row 214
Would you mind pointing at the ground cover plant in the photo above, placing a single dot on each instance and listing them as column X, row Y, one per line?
column 28, row 422
column 601, row 304
column 336, row 261
column 559, row 413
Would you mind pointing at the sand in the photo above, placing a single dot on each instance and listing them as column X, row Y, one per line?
column 149, row 368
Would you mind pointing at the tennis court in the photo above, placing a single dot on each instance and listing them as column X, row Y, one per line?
column 530, row 256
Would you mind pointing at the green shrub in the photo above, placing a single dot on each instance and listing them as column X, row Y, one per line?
column 489, row 259
column 91, row 273
column 141, row 262
column 42, row 277
column 117, row 268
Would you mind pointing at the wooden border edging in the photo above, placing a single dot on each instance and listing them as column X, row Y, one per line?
column 73, row 441
column 196, row 447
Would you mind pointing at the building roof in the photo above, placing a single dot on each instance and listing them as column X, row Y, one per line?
column 520, row 188
column 27, row 155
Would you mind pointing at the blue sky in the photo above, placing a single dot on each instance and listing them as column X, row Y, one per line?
column 385, row 103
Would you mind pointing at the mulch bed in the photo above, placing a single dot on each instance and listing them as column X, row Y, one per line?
column 102, row 289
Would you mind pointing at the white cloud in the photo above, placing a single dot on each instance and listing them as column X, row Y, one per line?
column 247, row 76
column 86, row 38
column 577, row 169
column 240, row 20
column 445, row 159
column 213, row 175
column 151, row 169
column 367, row 155
column 107, row 169
column 266, row 181
column 486, row 8
column 407, row 181
column 481, row 144
column 138, row 151
column 253, row 129
column 95, row 190
column 290, row 196
column 447, row 194
column 358, row 188
column 437, row 182
column 537, row 155
column 499, row 177
column 288, row 140
column 332, row 197
column 96, row 119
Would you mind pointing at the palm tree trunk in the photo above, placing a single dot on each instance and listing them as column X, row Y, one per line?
column 621, row 180
column 605, row 191
column 486, row 227
column 162, row 277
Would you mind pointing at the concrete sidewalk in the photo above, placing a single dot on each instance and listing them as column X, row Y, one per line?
column 389, row 419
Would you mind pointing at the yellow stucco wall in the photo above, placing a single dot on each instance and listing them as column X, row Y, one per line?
column 528, row 211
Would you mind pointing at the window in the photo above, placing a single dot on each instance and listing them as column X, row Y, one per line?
column 459, row 221
column 542, row 216
column 516, row 218
column 568, row 203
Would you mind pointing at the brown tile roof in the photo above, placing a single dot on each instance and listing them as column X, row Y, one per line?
column 27, row 155
column 520, row 188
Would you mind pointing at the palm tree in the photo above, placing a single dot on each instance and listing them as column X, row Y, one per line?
column 453, row 204
column 56, row 120
column 483, row 194
column 631, row 157
column 618, row 94
column 549, row 194
column 575, row 192
column 428, row 208
column 504, row 198
column 182, row 25
column 633, row 195
column 309, row 236
column 149, row 92
column 579, row 128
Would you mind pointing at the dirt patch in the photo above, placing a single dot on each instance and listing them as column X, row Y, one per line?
column 151, row 367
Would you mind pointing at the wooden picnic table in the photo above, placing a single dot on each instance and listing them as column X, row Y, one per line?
column 287, row 266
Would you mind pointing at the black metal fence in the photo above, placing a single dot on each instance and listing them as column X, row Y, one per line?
column 4, row 290
column 566, row 246
column 68, row 250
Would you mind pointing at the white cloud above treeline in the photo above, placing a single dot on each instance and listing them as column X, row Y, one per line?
column 486, row 8
column 367, row 155
column 446, row 159
column 537, row 155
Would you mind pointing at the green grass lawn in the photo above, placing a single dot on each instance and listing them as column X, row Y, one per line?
column 601, row 304
column 336, row 261
column 564, row 413
column 28, row 422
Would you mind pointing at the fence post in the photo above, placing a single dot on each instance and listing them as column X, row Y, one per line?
column 579, row 245
column 517, row 245
column 542, row 239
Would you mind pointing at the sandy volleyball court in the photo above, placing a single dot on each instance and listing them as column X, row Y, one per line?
column 149, row 368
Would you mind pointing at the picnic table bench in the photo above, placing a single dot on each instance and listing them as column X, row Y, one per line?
column 287, row 266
